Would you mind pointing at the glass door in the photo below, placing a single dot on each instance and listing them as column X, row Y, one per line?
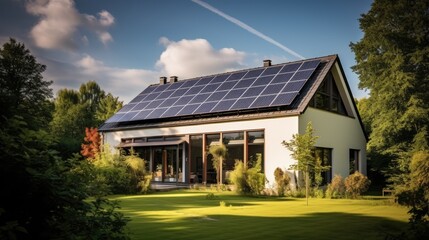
column 167, row 164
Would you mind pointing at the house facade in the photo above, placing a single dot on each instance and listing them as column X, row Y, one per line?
column 172, row 124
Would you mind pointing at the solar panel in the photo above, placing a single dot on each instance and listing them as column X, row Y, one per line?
column 205, row 107
column 263, row 87
column 272, row 89
column 271, row 71
column 188, row 109
column 243, row 103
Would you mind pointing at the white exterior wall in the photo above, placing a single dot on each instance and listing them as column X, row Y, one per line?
column 341, row 133
column 276, row 130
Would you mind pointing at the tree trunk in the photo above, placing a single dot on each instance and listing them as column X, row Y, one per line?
column 220, row 171
column 307, row 187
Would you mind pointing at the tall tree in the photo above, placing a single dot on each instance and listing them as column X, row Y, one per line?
column 22, row 88
column 301, row 147
column 392, row 61
column 40, row 197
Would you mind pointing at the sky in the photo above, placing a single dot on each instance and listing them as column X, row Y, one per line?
column 127, row 45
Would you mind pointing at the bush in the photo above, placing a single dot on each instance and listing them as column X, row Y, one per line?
column 248, row 180
column 318, row 193
column 282, row 181
column 336, row 189
column 356, row 184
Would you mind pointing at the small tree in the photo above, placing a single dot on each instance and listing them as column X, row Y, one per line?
column 91, row 144
column 282, row 181
column 219, row 154
column 356, row 184
column 301, row 147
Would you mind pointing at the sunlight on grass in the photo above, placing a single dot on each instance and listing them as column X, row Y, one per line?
column 188, row 214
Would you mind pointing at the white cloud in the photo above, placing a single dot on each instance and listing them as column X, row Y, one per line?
column 60, row 21
column 123, row 82
column 190, row 58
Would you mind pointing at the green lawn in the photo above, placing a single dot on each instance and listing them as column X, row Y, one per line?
column 188, row 214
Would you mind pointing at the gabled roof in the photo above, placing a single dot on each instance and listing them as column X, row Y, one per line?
column 276, row 90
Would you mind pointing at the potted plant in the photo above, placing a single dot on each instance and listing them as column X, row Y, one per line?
column 158, row 173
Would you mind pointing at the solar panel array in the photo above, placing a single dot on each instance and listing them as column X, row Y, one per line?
column 252, row 89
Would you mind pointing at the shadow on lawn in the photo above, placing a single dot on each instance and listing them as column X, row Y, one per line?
column 329, row 225
column 177, row 201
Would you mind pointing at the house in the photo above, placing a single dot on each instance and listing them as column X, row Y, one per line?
column 172, row 124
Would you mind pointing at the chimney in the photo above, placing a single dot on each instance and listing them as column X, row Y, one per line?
column 267, row 63
column 173, row 79
column 162, row 80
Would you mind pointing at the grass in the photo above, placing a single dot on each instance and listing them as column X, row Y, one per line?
column 192, row 214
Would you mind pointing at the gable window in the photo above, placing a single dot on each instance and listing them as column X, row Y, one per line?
column 328, row 97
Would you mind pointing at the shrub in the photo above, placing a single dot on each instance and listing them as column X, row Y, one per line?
column 282, row 181
column 356, row 184
column 336, row 189
column 238, row 178
column 318, row 193
column 248, row 180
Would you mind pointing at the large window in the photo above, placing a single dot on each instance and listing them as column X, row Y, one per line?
column 255, row 147
column 328, row 97
column 196, row 170
column 353, row 160
column 211, row 139
column 234, row 143
column 325, row 157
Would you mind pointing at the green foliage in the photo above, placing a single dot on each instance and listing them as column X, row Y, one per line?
column 301, row 147
column 282, row 181
column 115, row 173
column 43, row 196
column 318, row 192
column 77, row 110
column 23, row 92
column 219, row 153
column 392, row 64
column 248, row 180
column 136, row 166
column 416, row 195
column 108, row 106
column 238, row 178
column 336, row 189
column 356, row 184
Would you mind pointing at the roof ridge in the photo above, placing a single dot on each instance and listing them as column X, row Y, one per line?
column 250, row 69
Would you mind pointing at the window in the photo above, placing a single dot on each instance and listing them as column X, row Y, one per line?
column 255, row 147
column 234, row 143
column 325, row 157
column 353, row 160
column 328, row 97
column 196, row 171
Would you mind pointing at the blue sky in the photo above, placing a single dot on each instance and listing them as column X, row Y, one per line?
column 127, row 45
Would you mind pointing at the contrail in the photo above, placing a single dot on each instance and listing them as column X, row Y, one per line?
column 247, row 27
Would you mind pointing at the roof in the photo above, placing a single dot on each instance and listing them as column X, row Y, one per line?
column 273, row 91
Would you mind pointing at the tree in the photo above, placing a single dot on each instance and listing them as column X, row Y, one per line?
column 23, row 91
column 219, row 153
column 301, row 147
column 91, row 144
column 393, row 64
column 108, row 106
column 41, row 197
column 77, row 110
